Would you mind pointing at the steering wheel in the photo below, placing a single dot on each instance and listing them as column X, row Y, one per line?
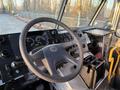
column 52, row 55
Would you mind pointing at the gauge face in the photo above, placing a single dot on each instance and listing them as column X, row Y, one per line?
column 40, row 40
column 30, row 42
column 35, row 41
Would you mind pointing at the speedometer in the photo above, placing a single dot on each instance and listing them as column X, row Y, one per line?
column 41, row 40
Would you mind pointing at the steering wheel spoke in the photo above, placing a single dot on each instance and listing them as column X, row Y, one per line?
column 37, row 55
column 68, row 44
column 51, row 68
column 70, row 59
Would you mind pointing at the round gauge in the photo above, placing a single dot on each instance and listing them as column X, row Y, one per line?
column 41, row 40
column 30, row 42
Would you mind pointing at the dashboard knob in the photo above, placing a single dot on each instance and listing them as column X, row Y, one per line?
column 17, row 64
column 4, row 53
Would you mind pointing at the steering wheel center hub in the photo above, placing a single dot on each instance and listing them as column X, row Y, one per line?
column 53, row 49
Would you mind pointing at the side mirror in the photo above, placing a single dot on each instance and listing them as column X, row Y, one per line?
column 117, row 33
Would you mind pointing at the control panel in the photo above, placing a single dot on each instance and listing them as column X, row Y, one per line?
column 11, row 63
column 11, row 66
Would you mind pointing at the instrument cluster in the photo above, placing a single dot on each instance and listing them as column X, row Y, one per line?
column 33, row 41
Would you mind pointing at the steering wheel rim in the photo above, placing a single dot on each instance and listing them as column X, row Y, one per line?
column 28, row 60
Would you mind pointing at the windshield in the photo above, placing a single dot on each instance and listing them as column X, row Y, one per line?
column 33, row 8
column 80, row 12
column 76, row 13
column 16, row 13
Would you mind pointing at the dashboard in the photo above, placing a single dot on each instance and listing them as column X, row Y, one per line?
column 11, row 63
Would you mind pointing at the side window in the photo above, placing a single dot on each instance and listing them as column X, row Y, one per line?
column 116, row 40
column 119, row 25
column 105, row 15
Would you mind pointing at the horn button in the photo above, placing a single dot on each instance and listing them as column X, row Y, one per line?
column 55, row 54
